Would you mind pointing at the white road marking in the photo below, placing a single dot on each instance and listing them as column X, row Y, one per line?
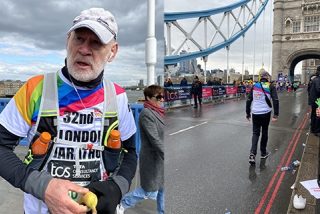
column 186, row 129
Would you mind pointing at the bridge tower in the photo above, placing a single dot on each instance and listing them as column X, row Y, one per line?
column 296, row 35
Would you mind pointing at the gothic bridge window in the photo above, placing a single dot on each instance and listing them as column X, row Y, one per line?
column 311, row 23
column 288, row 24
column 296, row 26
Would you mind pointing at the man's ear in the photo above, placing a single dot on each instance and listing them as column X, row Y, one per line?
column 114, row 51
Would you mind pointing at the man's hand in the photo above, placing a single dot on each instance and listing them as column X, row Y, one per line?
column 274, row 119
column 248, row 117
column 318, row 112
column 57, row 198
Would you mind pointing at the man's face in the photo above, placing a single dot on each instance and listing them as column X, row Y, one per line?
column 86, row 55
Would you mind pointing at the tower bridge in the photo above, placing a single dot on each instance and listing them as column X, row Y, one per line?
column 295, row 36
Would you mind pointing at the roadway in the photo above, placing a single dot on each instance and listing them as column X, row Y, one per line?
column 206, row 158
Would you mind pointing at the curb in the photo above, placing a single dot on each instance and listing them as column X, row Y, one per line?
column 308, row 170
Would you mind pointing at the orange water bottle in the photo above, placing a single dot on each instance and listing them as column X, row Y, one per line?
column 114, row 141
column 40, row 145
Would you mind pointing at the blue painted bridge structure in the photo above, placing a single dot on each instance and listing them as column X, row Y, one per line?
column 243, row 15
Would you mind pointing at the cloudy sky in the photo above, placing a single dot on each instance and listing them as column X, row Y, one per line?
column 263, row 44
column 33, row 37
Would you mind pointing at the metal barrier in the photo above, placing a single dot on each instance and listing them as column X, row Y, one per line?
column 177, row 96
column 136, row 109
column 3, row 103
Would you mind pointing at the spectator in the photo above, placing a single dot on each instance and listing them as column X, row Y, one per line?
column 170, row 84
column 151, row 159
column 184, row 82
column 210, row 82
column 196, row 91
column 166, row 82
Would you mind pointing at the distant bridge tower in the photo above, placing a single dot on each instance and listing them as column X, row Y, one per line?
column 296, row 34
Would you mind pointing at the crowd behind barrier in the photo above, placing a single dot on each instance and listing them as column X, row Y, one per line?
column 181, row 95
column 136, row 109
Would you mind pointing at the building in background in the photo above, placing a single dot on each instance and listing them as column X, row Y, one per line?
column 188, row 66
column 219, row 74
column 296, row 34
column 140, row 84
column 8, row 88
column 309, row 67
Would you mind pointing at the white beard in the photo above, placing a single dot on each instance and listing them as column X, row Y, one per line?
column 84, row 76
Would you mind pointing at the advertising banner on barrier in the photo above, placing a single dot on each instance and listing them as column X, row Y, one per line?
column 206, row 92
column 218, row 91
column 177, row 93
column 231, row 90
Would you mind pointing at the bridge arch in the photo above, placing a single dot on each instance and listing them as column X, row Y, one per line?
column 296, row 57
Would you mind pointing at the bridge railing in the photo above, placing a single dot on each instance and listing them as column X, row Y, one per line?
column 136, row 109
column 181, row 96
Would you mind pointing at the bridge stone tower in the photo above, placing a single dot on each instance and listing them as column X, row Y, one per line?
column 296, row 35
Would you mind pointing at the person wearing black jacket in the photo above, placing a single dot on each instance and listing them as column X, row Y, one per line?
column 196, row 91
column 259, row 105
column 183, row 82
column 314, row 94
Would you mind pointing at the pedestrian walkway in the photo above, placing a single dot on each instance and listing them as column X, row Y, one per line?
column 10, row 197
column 308, row 170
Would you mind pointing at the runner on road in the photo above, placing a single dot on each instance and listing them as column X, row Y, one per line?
column 260, row 106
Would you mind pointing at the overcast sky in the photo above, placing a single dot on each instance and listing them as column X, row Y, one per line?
column 33, row 37
column 263, row 44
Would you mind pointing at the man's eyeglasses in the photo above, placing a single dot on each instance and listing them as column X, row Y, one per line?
column 159, row 97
